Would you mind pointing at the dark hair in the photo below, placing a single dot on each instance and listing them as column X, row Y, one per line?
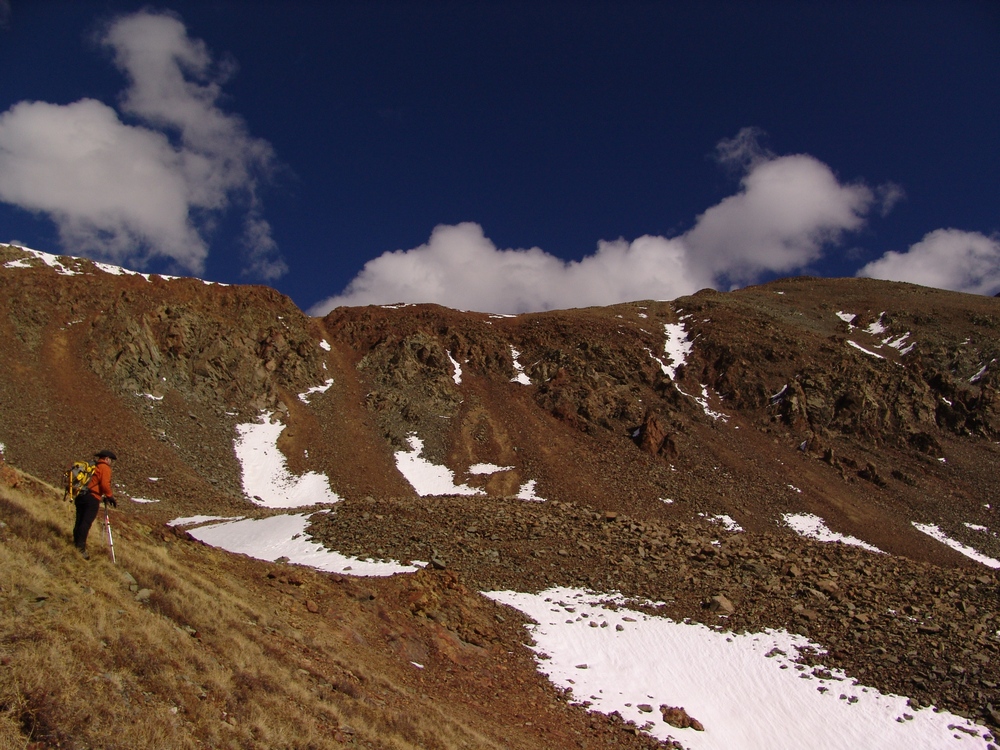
column 107, row 454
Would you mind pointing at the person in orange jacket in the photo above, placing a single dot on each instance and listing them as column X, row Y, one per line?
column 88, row 502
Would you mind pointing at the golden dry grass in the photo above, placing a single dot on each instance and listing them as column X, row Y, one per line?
column 211, row 659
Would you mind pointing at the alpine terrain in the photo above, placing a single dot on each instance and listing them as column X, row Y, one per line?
column 414, row 527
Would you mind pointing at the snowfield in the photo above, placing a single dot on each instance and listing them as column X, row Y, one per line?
column 745, row 689
column 283, row 536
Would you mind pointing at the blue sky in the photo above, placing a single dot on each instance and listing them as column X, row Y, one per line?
column 506, row 156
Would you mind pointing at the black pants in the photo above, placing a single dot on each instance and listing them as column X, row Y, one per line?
column 87, row 506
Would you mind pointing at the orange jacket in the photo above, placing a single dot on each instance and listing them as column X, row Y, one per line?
column 100, row 482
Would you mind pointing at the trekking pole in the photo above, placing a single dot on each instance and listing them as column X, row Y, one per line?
column 107, row 528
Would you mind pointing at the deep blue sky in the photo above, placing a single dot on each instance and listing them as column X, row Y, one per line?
column 554, row 125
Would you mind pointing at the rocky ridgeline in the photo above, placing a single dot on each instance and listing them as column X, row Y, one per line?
column 903, row 627
column 779, row 354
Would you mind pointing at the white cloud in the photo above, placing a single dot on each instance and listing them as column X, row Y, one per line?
column 134, row 193
column 111, row 188
column 461, row 268
column 946, row 259
column 787, row 210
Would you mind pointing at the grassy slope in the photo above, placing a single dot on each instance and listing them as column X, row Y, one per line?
column 184, row 646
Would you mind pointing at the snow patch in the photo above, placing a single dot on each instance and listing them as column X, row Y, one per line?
column 861, row 348
column 457, row 374
column 426, row 478
column 55, row 262
column 747, row 689
column 814, row 527
column 877, row 327
column 703, row 403
column 933, row 531
column 304, row 397
column 847, row 318
column 265, row 474
column 979, row 375
column 727, row 521
column 519, row 374
column 283, row 536
column 527, row 492
column 488, row 468
column 677, row 348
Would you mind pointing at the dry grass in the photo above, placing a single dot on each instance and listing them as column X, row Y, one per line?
column 212, row 659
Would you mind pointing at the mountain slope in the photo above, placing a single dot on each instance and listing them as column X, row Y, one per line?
column 870, row 407
column 185, row 646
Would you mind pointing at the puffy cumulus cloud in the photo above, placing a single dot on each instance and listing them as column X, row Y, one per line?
column 113, row 190
column 461, row 268
column 946, row 259
column 133, row 193
column 787, row 211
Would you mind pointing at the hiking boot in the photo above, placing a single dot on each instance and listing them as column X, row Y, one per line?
column 84, row 554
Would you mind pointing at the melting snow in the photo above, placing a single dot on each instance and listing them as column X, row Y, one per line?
column 325, row 345
column 861, row 348
column 527, row 492
column 427, row 478
column 304, row 397
column 935, row 532
column 677, row 347
column 520, row 375
column 847, row 318
column 899, row 343
column 488, row 468
column 814, row 527
column 877, row 327
column 283, row 536
column 746, row 689
column 979, row 375
column 703, row 403
column 266, row 478
column 457, row 374
column 727, row 521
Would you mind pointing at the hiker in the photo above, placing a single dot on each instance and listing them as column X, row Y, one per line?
column 88, row 502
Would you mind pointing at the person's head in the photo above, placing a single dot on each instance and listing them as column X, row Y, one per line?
column 110, row 455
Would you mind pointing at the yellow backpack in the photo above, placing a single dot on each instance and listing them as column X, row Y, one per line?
column 76, row 477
